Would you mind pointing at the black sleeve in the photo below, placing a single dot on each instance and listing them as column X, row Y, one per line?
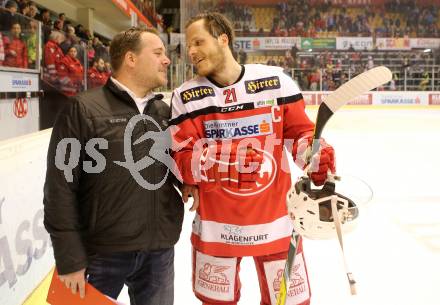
column 61, row 210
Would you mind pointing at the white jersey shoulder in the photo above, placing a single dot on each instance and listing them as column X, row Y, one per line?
column 192, row 90
column 258, row 83
column 260, row 77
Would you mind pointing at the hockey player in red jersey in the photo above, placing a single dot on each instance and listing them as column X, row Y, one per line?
column 237, row 119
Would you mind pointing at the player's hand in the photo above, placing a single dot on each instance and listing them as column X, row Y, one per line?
column 75, row 281
column 191, row 190
column 320, row 164
column 235, row 166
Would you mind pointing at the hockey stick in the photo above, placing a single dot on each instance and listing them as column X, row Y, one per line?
column 358, row 85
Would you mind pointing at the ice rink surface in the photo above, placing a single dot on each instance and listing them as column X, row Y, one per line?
column 394, row 253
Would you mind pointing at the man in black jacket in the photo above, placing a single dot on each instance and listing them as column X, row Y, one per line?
column 106, row 224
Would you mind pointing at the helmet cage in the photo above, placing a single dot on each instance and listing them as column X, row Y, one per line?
column 312, row 210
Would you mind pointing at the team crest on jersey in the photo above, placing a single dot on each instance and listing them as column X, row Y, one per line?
column 265, row 178
column 196, row 93
column 262, row 84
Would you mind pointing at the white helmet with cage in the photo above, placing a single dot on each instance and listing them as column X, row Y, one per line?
column 312, row 212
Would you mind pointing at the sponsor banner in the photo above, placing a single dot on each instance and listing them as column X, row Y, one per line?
column 21, row 115
column 309, row 98
column 400, row 98
column 364, row 99
column 425, row 43
column 434, row 98
column 251, row 44
column 266, row 43
column 276, row 43
column 393, row 43
column 380, row 98
column 26, row 253
column 358, row 43
column 18, row 82
column 247, row 44
column 318, row 43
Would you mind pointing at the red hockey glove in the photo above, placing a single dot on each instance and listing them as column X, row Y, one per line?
column 320, row 164
column 229, row 165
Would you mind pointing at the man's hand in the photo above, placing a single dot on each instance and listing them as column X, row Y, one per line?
column 75, row 280
column 192, row 190
column 320, row 164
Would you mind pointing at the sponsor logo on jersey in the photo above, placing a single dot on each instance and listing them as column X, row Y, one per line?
column 265, row 177
column 257, row 125
column 297, row 283
column 267, row 103
column 262, row 84
column 232, row 108
column 196, row 93
column 233, row 235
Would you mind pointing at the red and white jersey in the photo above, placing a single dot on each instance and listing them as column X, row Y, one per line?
column 264, row 106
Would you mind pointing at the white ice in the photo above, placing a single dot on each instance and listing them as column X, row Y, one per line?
column 395, row 252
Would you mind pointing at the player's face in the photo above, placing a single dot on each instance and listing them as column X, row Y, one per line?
column 204, row 50
column 152, row 62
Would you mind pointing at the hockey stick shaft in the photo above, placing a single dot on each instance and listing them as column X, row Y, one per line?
column 358, row 85
column 285, row 279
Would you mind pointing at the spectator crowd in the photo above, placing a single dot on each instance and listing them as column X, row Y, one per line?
column 299, row 18
column 71, row 54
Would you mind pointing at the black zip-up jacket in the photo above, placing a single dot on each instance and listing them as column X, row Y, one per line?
column 108, row 211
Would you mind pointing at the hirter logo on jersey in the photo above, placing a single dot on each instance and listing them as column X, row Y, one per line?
column 262, row 84
column 196, row 93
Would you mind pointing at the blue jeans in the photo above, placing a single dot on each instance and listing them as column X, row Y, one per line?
column 149, row 275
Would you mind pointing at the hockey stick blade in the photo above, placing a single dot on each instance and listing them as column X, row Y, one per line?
column 358, row 85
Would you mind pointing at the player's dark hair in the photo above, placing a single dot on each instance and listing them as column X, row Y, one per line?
column 216, row 24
